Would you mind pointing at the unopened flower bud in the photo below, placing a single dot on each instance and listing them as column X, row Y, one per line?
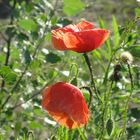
column 116, row 76
column 117, row 67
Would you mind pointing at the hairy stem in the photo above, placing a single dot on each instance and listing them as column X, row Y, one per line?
column 127, row 102
column 90, row 92
column 105, row 107
column 91, row 76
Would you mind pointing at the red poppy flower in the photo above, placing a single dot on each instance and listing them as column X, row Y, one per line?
column 66, row 104
column 80, row 38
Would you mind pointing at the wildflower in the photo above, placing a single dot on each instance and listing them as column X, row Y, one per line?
column 66, row 104
column 126, row 57
column 81, row 38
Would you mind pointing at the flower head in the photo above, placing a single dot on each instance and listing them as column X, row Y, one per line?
column 66, row 104
column 81, row 38
column 126, row 57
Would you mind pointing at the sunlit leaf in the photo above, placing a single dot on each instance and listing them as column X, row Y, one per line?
column 8, row 75
column 116, row 32
column 73, row 7
column 28, row 25
column 137, row 12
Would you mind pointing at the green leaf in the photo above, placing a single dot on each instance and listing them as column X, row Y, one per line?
column 74, row 81
column 107, row 43
column 28, row 25
column 51, row 73
column 34, row 125
column 109, row 126
column 73, row 7
column 18, row 126
column 116, row 32
column 35, row 65
column 137, row 12
column 86, row 96
column 27, row 56
column 48, row 37
column 134, row 50
column 96, row 54
column 52, row 58
column 8, row 75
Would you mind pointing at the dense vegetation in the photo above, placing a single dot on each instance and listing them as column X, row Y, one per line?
column 28, row 63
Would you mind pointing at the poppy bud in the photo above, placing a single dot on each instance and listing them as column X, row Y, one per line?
column 116, row 76
column 117, row 67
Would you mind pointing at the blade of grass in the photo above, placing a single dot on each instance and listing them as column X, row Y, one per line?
column 82, row 134
column 66, row 134
column 107, row 43
column 116, row 32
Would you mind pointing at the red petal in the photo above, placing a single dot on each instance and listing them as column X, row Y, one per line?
column 65, row 103
column 85, row 41
column 58, row 34
column 84, row 25
column 57, row 39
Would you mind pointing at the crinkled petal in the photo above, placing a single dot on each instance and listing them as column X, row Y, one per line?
column 58, row 34
column 66, row 104
column 84, row 25
column 86, row 40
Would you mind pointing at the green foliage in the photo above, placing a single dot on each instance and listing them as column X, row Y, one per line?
column 72, row 7
column 116, row 32
column 28, row 64
column 109, row 126
column 52, row 58
column 135, row 51
column 137, row 12
column 28, row 25
column 7, row 74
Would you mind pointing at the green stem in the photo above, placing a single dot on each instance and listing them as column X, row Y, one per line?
column 105, row 110
column 127, row 102
column 90, row 92
column 91, row 76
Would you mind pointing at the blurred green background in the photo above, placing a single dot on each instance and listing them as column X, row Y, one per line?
column 28, row 62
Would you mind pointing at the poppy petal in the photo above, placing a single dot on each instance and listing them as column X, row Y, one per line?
column 66, row 104
column 84, row 25
column 58, row 34
column 86, row 40
column 57, row 39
